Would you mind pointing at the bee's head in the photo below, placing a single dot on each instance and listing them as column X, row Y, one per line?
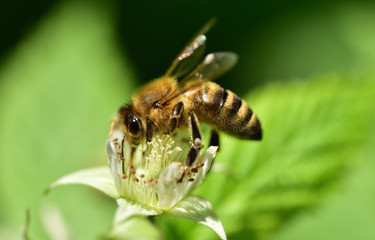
column 132, row 124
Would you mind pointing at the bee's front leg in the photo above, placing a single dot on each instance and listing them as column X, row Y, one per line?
column 196, row 140
column 149, row 130
column 176, row 115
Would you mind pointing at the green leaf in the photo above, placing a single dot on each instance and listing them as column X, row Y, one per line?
column 99, row 178
column 59, row 88
column 314, row 130
column 135, row 228
column 26, row 226
column 199, row 210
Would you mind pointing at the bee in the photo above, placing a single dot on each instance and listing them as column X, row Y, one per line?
column 186, row 95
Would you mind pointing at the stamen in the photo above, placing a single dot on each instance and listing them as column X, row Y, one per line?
column 134, row 178
column 154, row 182
column 122, row 146
column 123, row 167
column 200, row 165
column 122, row 159
column 144, row 163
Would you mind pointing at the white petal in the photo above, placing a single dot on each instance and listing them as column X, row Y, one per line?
column 199, row 210
column 206, row 159
column 129, row 208
column 113, row 159
column 98, row 177
column 169, row 190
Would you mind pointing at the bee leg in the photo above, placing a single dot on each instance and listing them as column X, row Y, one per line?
column 195, row 131
column 176, row 114
column 215, row 141
column 192, row 156
column 149, row 130
column 196, row 145
column 196, row 139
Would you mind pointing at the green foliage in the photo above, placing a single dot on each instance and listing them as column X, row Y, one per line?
column 58, row 92
column 314, row 131
column 135, row 228
column 67, row 77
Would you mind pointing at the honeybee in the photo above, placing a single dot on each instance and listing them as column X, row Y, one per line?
column 186, row 95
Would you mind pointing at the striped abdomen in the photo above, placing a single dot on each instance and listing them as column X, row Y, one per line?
column 226, row 111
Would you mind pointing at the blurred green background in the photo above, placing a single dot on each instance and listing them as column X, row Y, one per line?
column 306, row 68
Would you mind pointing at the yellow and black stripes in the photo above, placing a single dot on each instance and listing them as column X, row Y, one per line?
column 227, row 112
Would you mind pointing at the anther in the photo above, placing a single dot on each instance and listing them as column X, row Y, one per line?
column 154, row 182
column 191, row 179
column 134, row 178
column 142, row 176
column 124, row 176
column 115, row 139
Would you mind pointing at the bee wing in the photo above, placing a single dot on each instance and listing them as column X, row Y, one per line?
column 190, row 56
column 213, row 66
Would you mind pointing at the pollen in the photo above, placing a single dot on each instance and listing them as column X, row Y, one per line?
column 153, row 172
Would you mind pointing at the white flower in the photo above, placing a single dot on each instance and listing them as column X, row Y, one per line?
column 151, row 179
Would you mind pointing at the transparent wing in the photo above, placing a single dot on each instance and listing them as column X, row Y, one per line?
column 191, row 55
column 213, row 66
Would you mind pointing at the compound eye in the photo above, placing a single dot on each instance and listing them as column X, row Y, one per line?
column 134, row 125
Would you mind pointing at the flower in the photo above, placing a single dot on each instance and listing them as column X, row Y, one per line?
column 150, row 179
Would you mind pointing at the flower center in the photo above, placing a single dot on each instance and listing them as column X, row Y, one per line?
column 141, row 166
